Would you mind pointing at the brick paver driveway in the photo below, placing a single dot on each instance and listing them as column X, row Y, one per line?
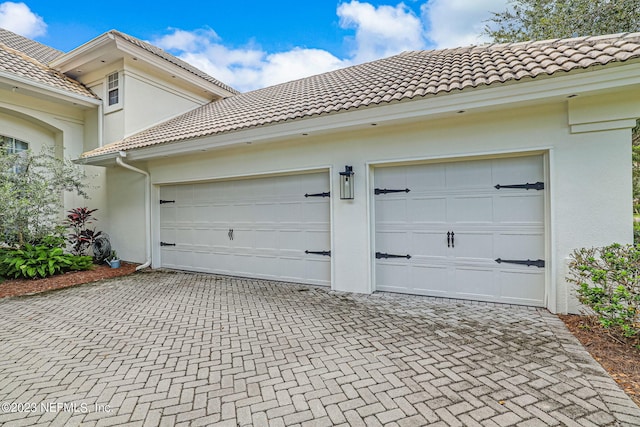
column 167, row 348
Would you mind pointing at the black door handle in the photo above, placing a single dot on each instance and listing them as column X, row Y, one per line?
column 453, row 242
column 448, row 239
column 230, row 234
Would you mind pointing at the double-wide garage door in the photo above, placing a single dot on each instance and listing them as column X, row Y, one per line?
column 264, row 227
column 470, row 230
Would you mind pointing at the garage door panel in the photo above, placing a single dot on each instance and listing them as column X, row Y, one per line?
column 419, row 179
column 393, row 277
column 391, row 210
column 242, row 213
column 183, row 236
column 429, row 280
column 242, row 238
column 291, row 239
column 468, row 175
column 476, row 283
column 392, row 242
column 521, row 287
column 530, row 209
column 183, row 258
column 200, row 214
column 316, row 271
column 167, row 234
column 314, row 240
column 427, row 210
column 517, row 170
column 474, row 245
column 470, row 209
column 184, row 214
column 269, row 213
column 272, row 222
column 169, row 259
column 290, row 213
column 214, row 213
column 487, row 223
column 265, row 238
column 315, row 212
column 392, row 177
column 519, row 245
column 202, row 237
column 184, row 196
column 429, row 244
column 167, row 214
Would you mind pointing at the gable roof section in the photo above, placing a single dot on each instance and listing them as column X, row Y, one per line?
column 19, row 65
column 38, row 51
column 114, row 45
column 172, row 59
column 410, row 75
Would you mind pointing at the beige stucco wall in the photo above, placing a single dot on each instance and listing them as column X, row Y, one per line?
column 126, row 214
column 150, row 100
column 589, row 185
column 148, row 97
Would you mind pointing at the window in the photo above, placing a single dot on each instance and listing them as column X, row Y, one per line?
column 12, row 145
column 113, row 89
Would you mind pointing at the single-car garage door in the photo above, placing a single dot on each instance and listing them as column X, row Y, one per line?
column 261, row 227
column 469, row 230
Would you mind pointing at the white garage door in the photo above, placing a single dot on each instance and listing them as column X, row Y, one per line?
column 469, row 230
column 252, row 227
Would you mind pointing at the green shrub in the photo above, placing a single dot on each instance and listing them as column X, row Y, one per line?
column 607, row 282
column 636, row 232
column 41, row 260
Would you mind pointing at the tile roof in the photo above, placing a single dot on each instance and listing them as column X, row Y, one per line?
column 27, row 58
column 32, row 48
column 409, row 75
column 22, row 65
column 172, row 59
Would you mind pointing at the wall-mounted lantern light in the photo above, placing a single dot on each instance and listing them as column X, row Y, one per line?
column 346, row 183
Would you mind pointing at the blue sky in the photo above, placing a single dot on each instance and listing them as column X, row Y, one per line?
column 252, row 44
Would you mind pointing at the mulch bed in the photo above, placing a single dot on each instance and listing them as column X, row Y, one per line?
column 620, row 360
column 15, row 287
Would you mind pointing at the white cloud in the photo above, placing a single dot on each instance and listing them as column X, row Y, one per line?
column 17, row 17
column 381, row 31
column 377, row 32
column 246, row 68
column 454, row 23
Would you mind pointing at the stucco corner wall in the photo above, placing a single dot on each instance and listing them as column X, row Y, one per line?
column 592, row 202
column 126, row 213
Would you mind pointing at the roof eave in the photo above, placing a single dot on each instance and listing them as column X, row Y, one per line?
column 108, row 159
column 61, row 94
column 68, row 60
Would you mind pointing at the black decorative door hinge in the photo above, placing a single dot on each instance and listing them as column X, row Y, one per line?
column 167, row 244
column 387, row 191
column 537, row 263
column 380, row 255
column 535, row 186
column 163, row 202
column 324, row 253
column 327, row 194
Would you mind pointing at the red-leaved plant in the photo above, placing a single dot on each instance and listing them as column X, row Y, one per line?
column 81, row 237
